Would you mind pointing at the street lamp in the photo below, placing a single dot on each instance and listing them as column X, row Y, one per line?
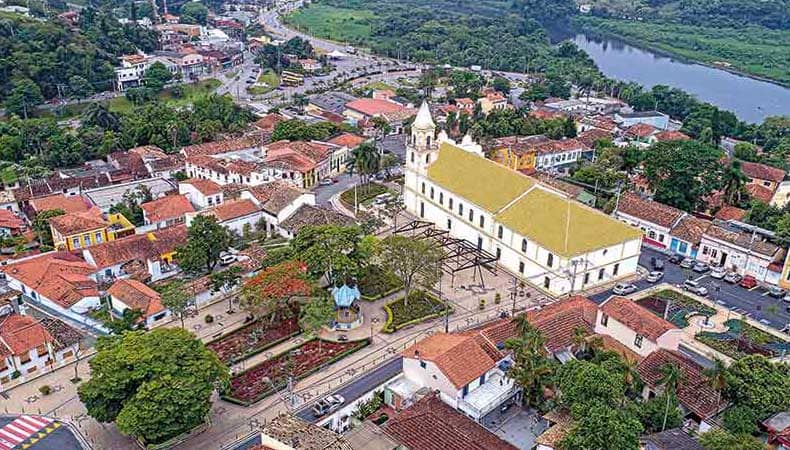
column 373, row 322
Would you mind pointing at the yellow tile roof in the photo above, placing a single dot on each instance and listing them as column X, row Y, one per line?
column 479, row 180
column 562, row 226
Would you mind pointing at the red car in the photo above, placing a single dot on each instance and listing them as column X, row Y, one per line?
column 748, row 282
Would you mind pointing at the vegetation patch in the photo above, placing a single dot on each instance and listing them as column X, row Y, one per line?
column 365, row 195
column 742, row 339
column 681, row 307
column 253, row 338
column 264, row 379
column 376, row 282
column 341, row 24
column 270, row 78
column 421, row 306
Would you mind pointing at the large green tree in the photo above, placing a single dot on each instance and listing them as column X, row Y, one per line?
column 154, row 385
column 331, row 251
column 157, row 76
column 723, row 440
column 194, row 12
column 41, row 225
column 415, row 261
column 206, row 239
column 759, row 384
column 25, row 95
column 598, row 426
column 176, row 298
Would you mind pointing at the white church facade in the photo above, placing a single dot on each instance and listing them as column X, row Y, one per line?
column 539, row 234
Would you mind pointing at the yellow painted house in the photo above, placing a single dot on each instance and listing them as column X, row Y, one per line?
column 515, row 153
column 84, row 229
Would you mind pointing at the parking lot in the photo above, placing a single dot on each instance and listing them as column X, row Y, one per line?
column 754, row 303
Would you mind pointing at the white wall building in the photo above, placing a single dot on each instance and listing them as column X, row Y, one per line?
column 538, row 233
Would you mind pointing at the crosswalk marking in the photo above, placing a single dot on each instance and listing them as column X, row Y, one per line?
column 25, row 428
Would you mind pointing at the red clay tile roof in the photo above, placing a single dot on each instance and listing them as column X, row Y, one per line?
column 431, row 424
column 638, row 319
column 10, row 220
column 760, row 193
column 690, row 229
column 546, row 113
column 728, row 212
column 560, row 146
column 557, row 322
column 464, row 101
column 78, row 222
column 590, row 137
column 232, row 210
column 348, row 140
column 58, row 276
column 275, row 196
column 139, row 247
column 307, row 215
column 640, row 130
column 313, row 151
column 762, row 172
column 137, row 295
column 268, row 122
column 373, row 107
column 462, row 357
column 20, row 334
column 694, row 390
column 742, row 239
column 648, row 210
column 205, row 187
column 167, row 207
column 149, row 152
column 664, row 136
column 213, row 148
column 69, row 204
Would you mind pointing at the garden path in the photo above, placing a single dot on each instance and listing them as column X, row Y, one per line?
column 280, row 348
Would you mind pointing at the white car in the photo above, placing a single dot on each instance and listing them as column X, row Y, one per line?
column 624, row 289
column 226, row 258
column 328, row 404
column 718, row 273
column 654, row 276
column 693, row 286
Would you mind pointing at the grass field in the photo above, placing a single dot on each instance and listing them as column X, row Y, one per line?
column 754, row 50
column 270, row 78
column 340, row 24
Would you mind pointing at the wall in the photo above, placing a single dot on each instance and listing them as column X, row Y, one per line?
column 624, row 335
column 655, row 235
column 431, row 377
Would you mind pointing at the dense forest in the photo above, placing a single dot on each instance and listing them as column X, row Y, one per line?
column 51, row 54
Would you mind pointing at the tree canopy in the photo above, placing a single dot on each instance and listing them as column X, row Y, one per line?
column 154, row 385
column 206, row 239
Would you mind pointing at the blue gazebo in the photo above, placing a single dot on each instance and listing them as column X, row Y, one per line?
column 348, row 315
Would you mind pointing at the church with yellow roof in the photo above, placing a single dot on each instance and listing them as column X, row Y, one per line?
column 538, row 233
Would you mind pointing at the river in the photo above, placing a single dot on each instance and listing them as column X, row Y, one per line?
column 750, row 99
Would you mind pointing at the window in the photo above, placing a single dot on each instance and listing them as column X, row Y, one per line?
column 498, row 252
column 460, row 209
column 423, row 365
column 604, row 319
column 75, row 242
column 422, row 188
column 615, row 269
column 412, row 156
column 471, row 214
column 465, row 391
column 99, row 237
column 482, row 221
column 521, row 267
column 87, row 239
column 601, row 273
column 422, row 209
column 449, row 224
column 651, row 234
column 450, row 204
column 524, row 245
column 431, row 192
column 550, row 260
column 660, row 238
column 479, row 242
column 546, row 282
column 428, row 156
column 586, row 277
column 441, row 198
column 638, row 341
column 499, row 232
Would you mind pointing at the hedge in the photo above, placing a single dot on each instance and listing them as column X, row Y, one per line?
column 389, row 327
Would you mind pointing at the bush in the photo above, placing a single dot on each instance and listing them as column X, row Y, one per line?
column 375, row 283
column 421, row 306
column 740, row 420
column 497, row 298
column 15, row 374
column 209, row 318
column 45, row 389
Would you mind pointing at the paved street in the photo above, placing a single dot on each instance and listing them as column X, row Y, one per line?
column 753, row 303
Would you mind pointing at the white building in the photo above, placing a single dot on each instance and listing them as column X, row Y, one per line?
column 537, row 232
column 277, row 202
column 635, row 327
column 741, row 252
column 655, row 219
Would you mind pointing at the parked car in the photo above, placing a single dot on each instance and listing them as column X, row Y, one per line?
column 695, row 287
column 733, row 278
column 748, row 282
column 325, row 182
column 226, row 258
column 676, row 258
column 687, row 263
column 701, row 267
column 658, row 264
column 776, row 292
column 654, row 276
column 718, row 273
column 786, row 298
column 624, row 289
column 342, row 338
column 327, row 404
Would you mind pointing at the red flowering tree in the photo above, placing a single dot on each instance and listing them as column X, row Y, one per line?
column 273, row 289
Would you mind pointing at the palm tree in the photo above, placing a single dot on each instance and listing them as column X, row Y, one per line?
column 716, row 379
column 733, row 181
column 523, row 327
column 99, row 116
column 631, row 377
column 366, row 160
column 580, row 339
column 670, row 379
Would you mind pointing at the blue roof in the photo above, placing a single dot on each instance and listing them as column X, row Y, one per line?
column 344, row 296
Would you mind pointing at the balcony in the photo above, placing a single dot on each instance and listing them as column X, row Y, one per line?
column 488, row 396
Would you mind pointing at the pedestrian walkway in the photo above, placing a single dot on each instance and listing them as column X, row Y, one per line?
column 23, row 428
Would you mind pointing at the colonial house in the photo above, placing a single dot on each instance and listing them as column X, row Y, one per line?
column 132, row 294
column 466, row 370
column 10, row 223
column 517, row 152
column 653, row 118
column 365, row 109
column 686, row 235
column 764, row 175
column 235, row 215
column 310, row 215
column 655, row 219
column 66, row 203
column 83, row 229
column 492, row 101
column 560, row 155
column 277, row 202
column 166, row 212
column 638, row 329
column 537, row 232
column 201, row 193
column 345, row 143
column 742, row 252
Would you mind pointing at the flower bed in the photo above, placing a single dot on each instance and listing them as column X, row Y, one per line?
column 420, row 307
column 262, row 380
column 376, row 283
column 681, row 307
column 742, row 339
column 253, row 338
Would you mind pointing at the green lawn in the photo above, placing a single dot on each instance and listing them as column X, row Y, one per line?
column 421, row 306
column 365, row 194
column 754, row 50
column 340, row 24
column 270, row 78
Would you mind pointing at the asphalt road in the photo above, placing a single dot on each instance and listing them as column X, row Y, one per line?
column 753, row 303
column 361, row 386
